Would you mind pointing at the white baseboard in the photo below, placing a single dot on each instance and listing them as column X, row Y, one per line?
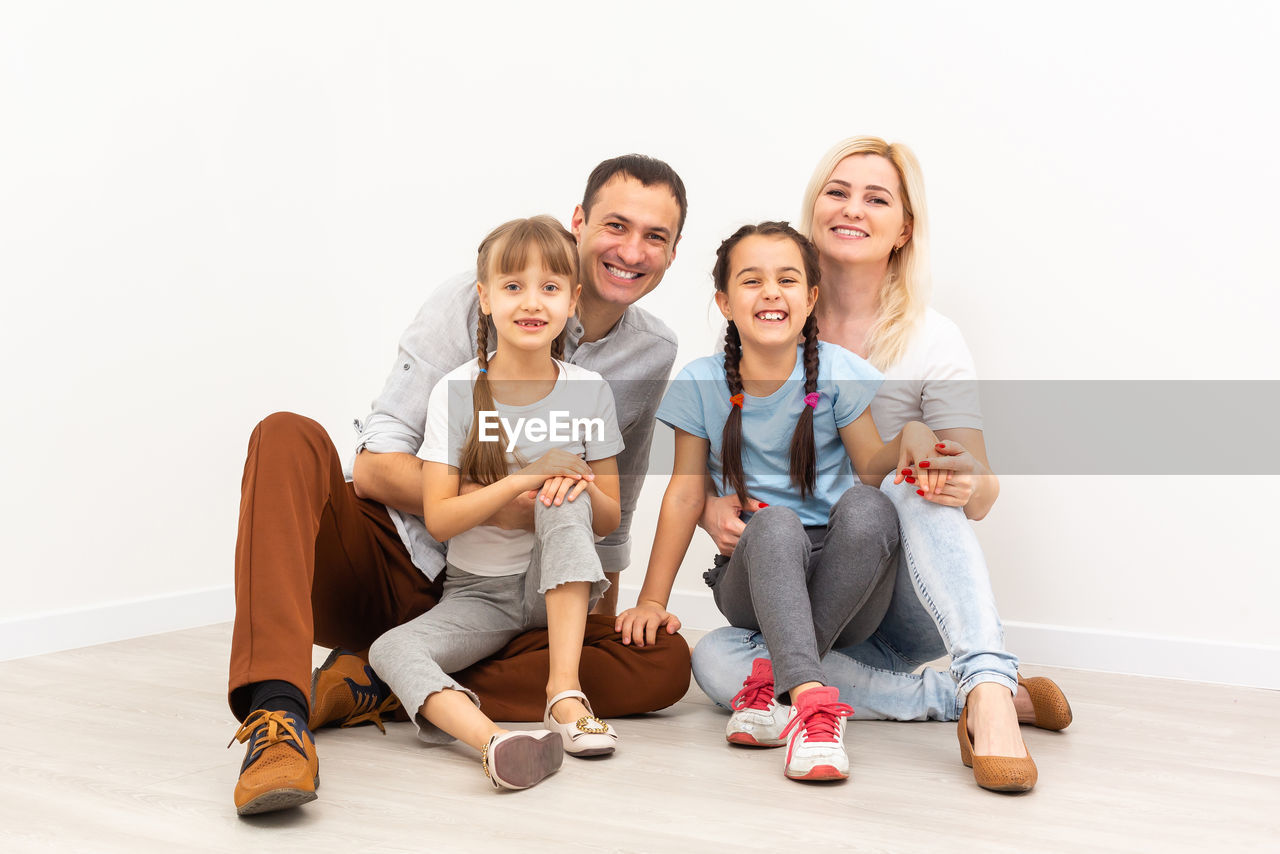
column 55, row 631
column 1250, row 665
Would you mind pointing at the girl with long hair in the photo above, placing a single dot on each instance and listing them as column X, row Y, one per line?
column 512, row 421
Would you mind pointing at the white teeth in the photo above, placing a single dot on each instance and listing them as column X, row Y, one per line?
column 771, row 315
column 621, row 274
column 851, row 232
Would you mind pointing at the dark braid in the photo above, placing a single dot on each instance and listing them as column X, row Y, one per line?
column 804, row 463
column 731, row 439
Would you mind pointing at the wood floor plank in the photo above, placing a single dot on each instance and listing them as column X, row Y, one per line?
column 121, row 747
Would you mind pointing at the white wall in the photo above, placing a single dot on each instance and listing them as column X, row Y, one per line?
column 210, row 212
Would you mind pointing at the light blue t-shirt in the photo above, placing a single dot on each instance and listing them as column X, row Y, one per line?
column 698, row 403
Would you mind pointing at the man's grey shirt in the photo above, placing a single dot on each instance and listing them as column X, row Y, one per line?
column 635, row 357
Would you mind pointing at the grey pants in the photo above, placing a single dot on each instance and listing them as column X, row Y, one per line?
column 807, row 590
column 478, row 615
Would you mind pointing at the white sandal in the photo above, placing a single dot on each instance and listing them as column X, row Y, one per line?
column 588, row 735
column 521, row 758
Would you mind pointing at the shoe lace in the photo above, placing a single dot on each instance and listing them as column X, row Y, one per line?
column 756, row 693
column 279, row 728
column 819, row 720
column 372, row 701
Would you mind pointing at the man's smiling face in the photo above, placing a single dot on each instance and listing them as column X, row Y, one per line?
column 628, row 240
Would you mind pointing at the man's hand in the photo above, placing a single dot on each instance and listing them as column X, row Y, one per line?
column 722, row 520
column 640, row 624
column 516, row 515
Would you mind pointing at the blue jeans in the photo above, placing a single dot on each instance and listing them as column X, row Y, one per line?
column 942, row 605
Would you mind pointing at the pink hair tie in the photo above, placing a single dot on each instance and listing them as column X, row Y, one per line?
column 736, row 400
column 812, row 399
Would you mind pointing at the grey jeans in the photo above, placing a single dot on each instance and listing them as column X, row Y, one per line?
column 807, row 590
column 478, row 615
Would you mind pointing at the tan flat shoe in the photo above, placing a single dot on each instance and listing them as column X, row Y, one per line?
column 997, row 773
column 1052, row 709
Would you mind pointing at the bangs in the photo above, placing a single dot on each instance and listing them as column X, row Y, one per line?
column 537, row 239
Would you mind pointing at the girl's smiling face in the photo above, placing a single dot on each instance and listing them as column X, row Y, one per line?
column 768, row 296
column 531, row 307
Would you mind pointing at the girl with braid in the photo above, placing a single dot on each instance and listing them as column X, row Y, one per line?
column 785, row 426
column 502, row 422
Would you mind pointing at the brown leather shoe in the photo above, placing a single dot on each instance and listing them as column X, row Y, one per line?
column 280, row 767
column 997, row 773
column 1052, row 709
column 346, row 692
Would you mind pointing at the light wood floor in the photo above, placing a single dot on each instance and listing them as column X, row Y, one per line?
column 121, row 747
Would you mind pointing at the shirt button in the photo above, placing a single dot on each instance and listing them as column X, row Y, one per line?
column 406, row 366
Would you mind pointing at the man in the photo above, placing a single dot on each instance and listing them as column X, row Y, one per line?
column 320, row 558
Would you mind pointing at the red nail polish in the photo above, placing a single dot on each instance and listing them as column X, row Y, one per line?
column 940, row 446
column 911, row 480
column 906, row 471
column 924, row 464
column 919, row 492
column 762, row 504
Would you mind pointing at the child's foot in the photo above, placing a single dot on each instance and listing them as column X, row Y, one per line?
column 584, row 735
column 815, row 736
column 758, row 718
column 518, row 760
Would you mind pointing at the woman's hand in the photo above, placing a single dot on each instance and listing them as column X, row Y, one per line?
column 641, row 623
column 554, row 464
column 722, row 520
column 959, row 472
column 917, row 443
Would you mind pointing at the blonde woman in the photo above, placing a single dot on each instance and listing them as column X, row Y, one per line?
column 864, row 209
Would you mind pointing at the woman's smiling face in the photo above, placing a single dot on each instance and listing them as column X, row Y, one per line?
column 859, row 216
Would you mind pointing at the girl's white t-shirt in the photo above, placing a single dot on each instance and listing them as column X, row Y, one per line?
column 576, row 416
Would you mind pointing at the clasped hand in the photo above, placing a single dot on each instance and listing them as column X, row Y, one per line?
column 945, row 474
column 557, row 476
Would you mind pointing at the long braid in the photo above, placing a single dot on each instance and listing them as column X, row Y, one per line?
column 731, row 439
column 483, row 462
column 804, row 464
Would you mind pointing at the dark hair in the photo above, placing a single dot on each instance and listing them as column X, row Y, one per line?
column 508, row 249
column 649, row 171
column 803, row 453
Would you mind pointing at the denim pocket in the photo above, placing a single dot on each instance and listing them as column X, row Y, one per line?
column 712, row 575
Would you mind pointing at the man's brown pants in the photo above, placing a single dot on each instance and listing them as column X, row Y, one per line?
column 315, row 563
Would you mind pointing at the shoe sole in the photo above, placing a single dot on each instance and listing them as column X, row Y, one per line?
column 277, row 799
column 523, row 762
column 819, row 772
column 746, row 739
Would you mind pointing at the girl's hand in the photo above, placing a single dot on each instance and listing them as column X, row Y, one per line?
column 554, row 463
column 721, row 519
column 641, row 623
column 558, row 490
column 914, row 466
column 959, row 470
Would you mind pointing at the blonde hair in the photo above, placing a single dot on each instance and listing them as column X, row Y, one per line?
column 904, row 293
column 508, row 249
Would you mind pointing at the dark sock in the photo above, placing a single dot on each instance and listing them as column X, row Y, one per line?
column 276, row 695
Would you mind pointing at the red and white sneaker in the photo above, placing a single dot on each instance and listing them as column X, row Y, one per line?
column 757, row 719
column 815, row 736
